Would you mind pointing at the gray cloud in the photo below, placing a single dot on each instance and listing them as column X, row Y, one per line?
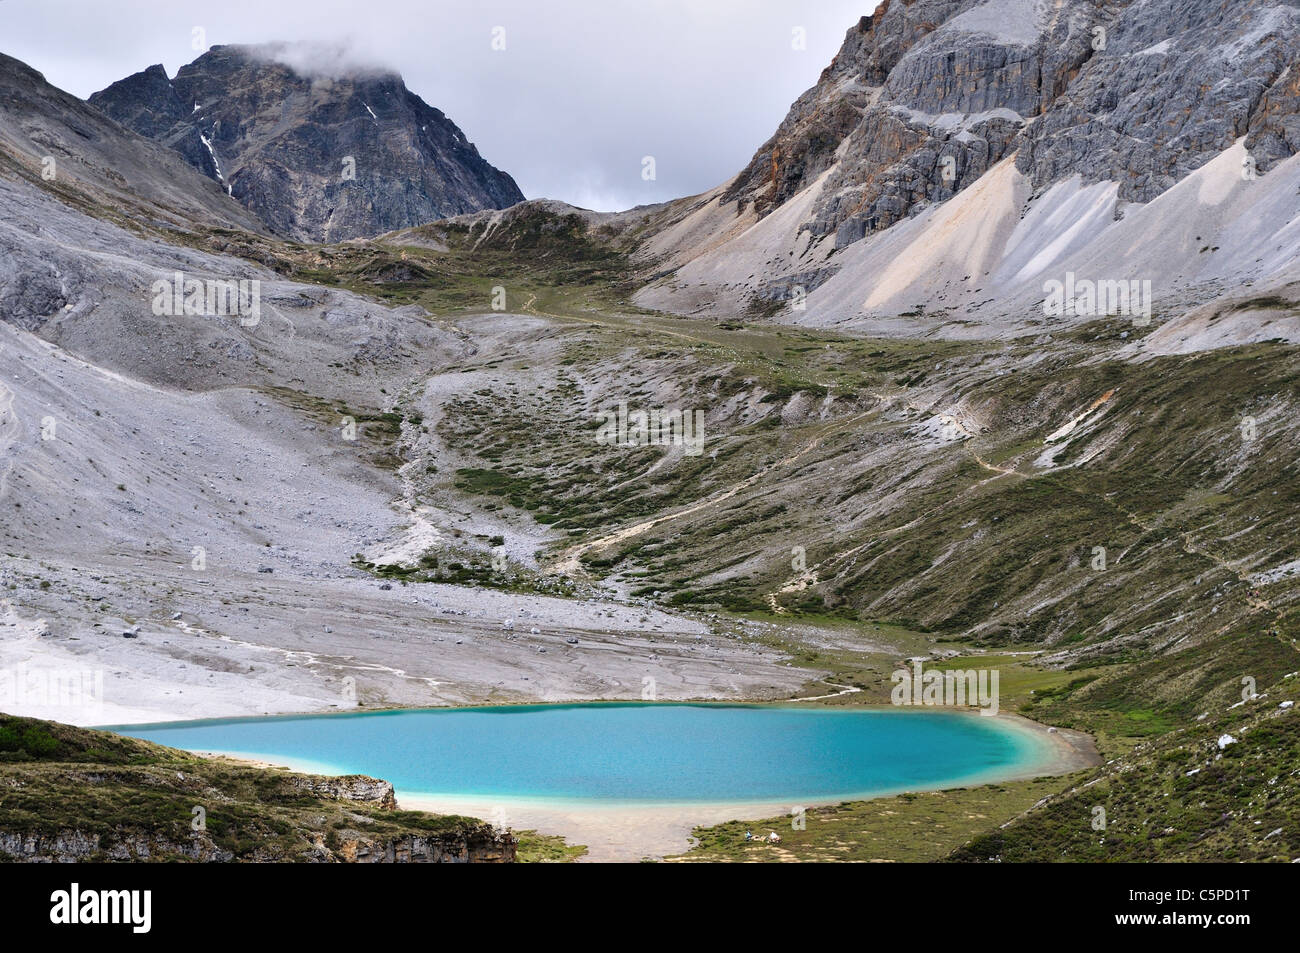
column 320, row 60
column 583, row 90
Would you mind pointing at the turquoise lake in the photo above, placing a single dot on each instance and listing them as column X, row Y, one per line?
column 634, row 753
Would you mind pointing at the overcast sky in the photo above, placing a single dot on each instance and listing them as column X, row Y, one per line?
column 583, row 90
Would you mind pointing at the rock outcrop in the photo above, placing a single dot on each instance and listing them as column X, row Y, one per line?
column 353, row 787
column 481, row 844
column 478, row 845
column 317, row 157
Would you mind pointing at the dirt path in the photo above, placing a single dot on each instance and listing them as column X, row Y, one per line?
column 843, row 690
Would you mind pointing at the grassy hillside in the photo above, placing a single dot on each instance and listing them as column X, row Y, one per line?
column 71, row 793
column 1178, row 796
column 910, row 828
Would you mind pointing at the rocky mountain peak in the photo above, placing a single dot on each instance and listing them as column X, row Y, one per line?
column 320, row 148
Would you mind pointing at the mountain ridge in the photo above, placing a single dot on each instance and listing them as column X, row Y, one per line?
column 52, row 138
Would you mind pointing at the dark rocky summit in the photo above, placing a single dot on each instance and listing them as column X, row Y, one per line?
column 317, row 157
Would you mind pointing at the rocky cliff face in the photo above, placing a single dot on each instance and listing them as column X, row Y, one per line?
column 481, row 844
column 927, row 95
column 1174, row 83
column 1006, row 136
column 317, row 157
column 923, row 98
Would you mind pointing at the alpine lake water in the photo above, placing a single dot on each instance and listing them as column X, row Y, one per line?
column 630, row 753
